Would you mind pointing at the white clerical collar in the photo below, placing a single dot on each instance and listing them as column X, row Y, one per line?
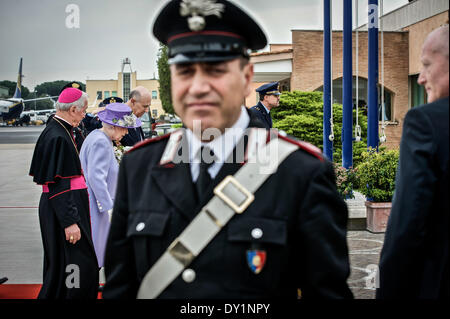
column 222, row 146
column 59, row 117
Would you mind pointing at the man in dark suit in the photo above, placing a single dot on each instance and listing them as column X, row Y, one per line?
column 279, row 243
column 139, row 101
column 269, row 97
column 414, row 261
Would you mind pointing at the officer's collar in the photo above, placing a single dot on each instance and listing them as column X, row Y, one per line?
column 267, row 110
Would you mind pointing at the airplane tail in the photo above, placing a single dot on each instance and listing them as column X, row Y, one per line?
column 18, row 93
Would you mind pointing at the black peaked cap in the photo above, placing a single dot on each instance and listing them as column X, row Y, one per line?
column 207, row 30
column 73, row 84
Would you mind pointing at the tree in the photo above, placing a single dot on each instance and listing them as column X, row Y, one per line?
column 300, row 114
column 54, row 88
column 12, row 88
column 165, row 92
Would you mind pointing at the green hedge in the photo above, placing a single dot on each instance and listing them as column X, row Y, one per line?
column 300, row 114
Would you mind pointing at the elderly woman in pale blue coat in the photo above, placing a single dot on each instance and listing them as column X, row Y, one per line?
column 101, row 169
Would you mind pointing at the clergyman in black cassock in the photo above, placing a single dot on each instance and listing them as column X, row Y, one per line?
column 70, row 270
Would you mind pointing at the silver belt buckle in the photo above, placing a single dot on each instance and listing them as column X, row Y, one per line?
column 237, row 208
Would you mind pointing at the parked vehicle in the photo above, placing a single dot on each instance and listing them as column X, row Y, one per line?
column 147, row 122
column 39, row 116
column 165, row 128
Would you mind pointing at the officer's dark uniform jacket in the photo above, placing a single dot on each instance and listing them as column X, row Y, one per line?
column 260, row 111
column 91, row 122
column 302, row 218
column 134, row 136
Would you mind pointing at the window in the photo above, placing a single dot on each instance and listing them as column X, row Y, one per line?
column 418, row 93
column 113, row 93
column 106, row 94
column 126, row 85
column 154, row 95
column 362, row 96
column 387, row 105
column 154, row 113
column 99, row 95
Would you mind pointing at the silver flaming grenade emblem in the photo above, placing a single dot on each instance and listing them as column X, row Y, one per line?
column 198, row 10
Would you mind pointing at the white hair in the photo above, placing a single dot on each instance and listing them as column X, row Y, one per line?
column 78, row 103
column 438, row 40
column 106, row 125
column 109, row 126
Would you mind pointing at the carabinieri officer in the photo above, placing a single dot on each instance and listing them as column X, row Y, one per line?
column 269, row 97
column 199, row 213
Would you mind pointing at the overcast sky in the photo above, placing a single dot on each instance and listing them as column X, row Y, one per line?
column 110, row 30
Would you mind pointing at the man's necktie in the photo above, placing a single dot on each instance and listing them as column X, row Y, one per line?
column 269, row 119
column 204, row 179
column 140, row 134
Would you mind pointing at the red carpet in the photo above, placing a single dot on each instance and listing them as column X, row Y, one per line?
column 16, row 291
column 25, row 291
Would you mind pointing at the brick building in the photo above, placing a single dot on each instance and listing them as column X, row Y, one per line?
column 121, row 87
column 299, row 66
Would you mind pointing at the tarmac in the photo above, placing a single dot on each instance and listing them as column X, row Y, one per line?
column 21, row 253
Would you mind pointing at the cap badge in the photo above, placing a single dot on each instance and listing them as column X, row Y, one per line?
column 75, row 85
column 113, row 100
column 198, row 9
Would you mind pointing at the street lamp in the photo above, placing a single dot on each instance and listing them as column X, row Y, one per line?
column 35, row 100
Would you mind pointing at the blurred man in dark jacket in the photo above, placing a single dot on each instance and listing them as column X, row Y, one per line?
column 414, row 259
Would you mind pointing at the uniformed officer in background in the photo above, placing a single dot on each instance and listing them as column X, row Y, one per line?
column 281, row 242
column 91, row 120
column 269, row 97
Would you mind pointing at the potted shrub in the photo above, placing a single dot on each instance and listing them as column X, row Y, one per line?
column 376, row 177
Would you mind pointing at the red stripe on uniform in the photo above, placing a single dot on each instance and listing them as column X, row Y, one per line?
column 210, row 32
